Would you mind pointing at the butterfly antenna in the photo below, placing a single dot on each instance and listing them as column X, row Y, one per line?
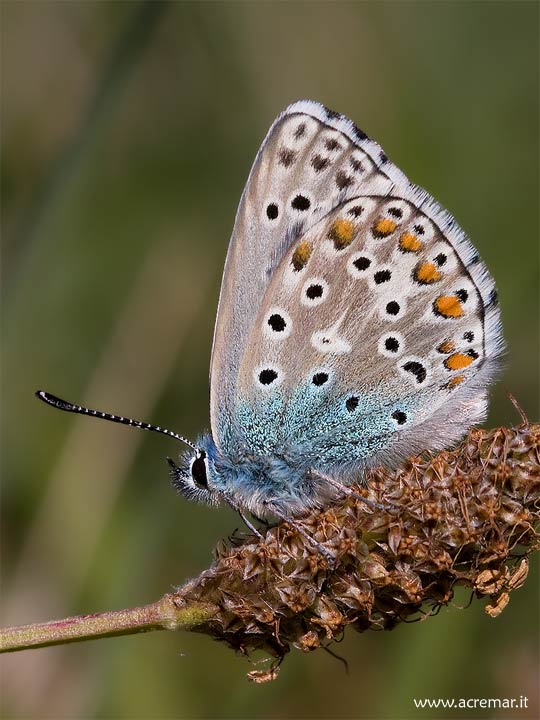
column 69, row 407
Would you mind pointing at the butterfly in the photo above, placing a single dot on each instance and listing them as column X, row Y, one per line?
column 356, row 325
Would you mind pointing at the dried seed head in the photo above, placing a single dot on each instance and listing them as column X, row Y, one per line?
column 469, row 516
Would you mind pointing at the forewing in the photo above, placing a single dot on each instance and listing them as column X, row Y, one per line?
column 311, row 161
column 377, row 335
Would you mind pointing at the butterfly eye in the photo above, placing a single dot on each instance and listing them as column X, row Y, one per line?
column 198, row 470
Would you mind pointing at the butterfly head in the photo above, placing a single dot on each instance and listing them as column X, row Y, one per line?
column 194, row 476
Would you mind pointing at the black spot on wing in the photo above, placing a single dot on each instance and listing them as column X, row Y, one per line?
column 301, row 202
column 332, row 144
column 319, row 162
column 440, row 259
column 272, row 211
column 351, row 403
column 343, row 181
column 277, row 322
column 400, row 417
column 267, row 376
column 382, row 276
column 362, row 263
column 319, row 378
column 314, row 291
column 391, row 344
column 287, row 157
column 416, row 369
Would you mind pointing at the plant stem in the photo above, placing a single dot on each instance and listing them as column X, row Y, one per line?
column 168, row 613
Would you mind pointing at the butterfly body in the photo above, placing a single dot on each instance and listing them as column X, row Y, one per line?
column 256, row 481
column 356, row 322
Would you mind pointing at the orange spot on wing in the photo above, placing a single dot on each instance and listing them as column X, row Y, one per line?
column 301, row 255
column 342, row 233
column 427, row 273
column 384, row 227
column 448, row 306
column 410, row 243
column 447, row 346
column 457, row 380
column 458, row 361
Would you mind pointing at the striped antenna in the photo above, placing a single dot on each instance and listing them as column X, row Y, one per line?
column 69, row 407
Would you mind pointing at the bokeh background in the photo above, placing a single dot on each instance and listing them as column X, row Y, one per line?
column 128, row 130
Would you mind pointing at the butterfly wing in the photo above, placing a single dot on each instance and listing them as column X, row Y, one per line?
column 312, row 160
column 376, row 337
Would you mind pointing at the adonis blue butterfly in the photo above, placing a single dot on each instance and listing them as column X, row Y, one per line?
column 356, row 325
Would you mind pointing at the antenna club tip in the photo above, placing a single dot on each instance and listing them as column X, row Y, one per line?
column 45, row 396
column 53, row 400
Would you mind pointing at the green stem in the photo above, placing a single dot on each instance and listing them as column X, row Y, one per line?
column 168, row 613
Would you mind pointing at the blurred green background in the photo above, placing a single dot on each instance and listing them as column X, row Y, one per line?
column 128, row 130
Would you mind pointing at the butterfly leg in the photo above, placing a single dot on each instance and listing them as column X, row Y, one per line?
column 300, row 530
column 245, row 520
column 249, row 524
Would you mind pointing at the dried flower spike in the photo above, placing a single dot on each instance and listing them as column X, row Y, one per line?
column 467, row 517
